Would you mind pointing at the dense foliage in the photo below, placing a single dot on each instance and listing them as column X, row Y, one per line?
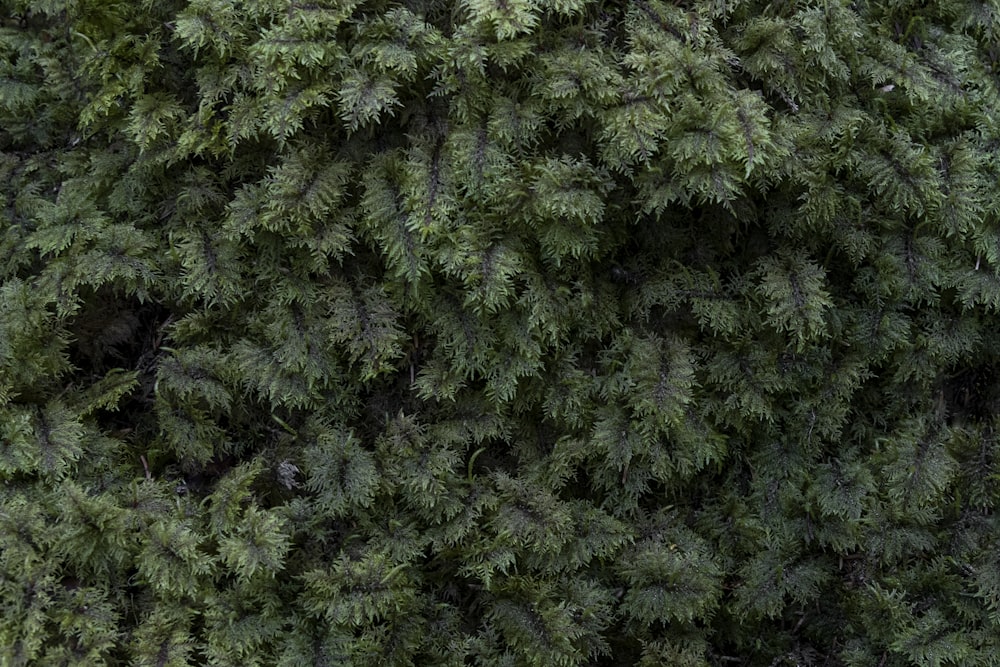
column 499, row 332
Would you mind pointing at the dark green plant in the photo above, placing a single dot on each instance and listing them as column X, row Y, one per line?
column 499, row 332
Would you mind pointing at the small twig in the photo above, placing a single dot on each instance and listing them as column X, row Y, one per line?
column 798, row 625
column 160, row 331
column 145, row 466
